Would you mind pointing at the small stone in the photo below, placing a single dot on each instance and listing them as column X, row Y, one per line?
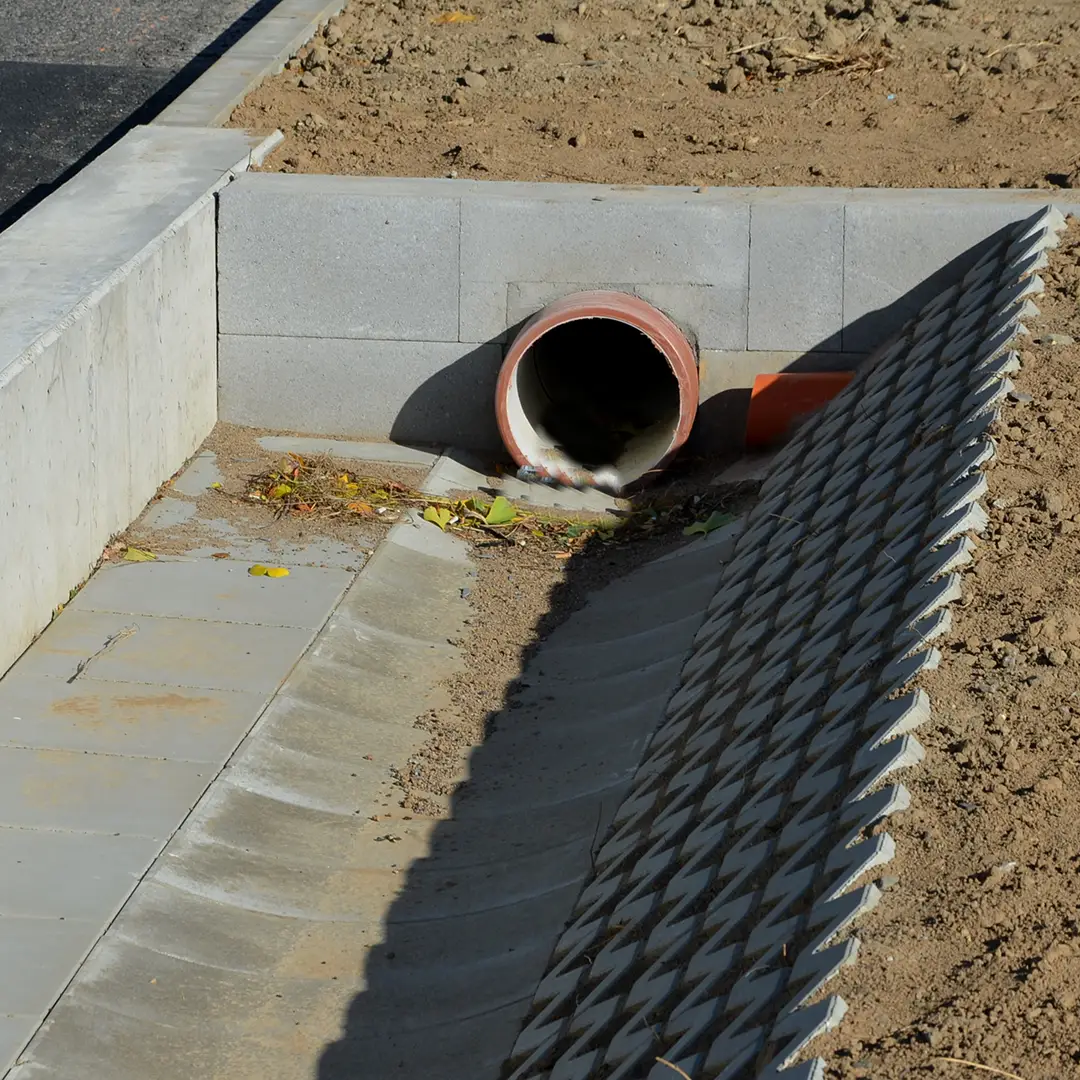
column 319, row 57
column 1025, row 59
column 1050, row 785
column 474, row 80
column 1055, row 339
column 733, row 78
column 638, row 133
column 695, row 35
column 563, row 33
column 578, row 141
column 309, row 81
column 1058, row 657
column 333, row 35
column 887, row 881
column 1061, row 951
column 956, row 63
column 753, row 62
column 1020, row 397
column 816, row 170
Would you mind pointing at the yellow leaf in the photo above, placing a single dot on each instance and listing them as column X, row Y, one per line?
column 501, row 512
column 138, row 555
column 438, row 515
column 258, row 570
column 360, row 507
column 216, row 485
column 453, row 17
column 280, row 490
column 277, row 571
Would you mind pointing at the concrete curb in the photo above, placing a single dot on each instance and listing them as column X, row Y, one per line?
column 110, row 308
column 262, row 51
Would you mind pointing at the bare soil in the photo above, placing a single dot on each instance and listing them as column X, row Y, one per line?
column 974, row 952
column 861, row 93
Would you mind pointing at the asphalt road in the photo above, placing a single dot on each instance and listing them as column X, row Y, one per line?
column 76, row 74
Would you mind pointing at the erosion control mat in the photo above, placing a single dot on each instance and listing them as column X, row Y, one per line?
column 975, row 953
column 846, row 93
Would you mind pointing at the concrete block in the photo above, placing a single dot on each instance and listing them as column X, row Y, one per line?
column 408, row 391
column 168, row 652
column 61, row 790
column 108, row 346
column 663, row 240
column 698, row 309
column 69, row 875
column 45, row 953
column 350, row 451
column 902, row 247
column 98, row 716
column 217, row 591
column 796, row 275
column 295, row 260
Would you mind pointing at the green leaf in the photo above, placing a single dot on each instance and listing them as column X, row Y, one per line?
column 501, row 512
column 714, row 521
column 138, row 555
column 438, row 515
column 576, row 530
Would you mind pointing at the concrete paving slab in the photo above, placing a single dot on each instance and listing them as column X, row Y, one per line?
column 45, row 953
column 460, row 470
column 168, row 513
column 58, row 789
column 39, row 868
column 167, row 652
column 214, row 590
column 350, row 450
column 15, row 1032
column 139, row 719
column 200, row 474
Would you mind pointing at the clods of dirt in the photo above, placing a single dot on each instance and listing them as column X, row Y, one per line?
column 897, row 93
column 974, row 952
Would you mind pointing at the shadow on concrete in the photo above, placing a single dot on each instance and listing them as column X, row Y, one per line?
column 470, row 936
column 456, row 402
column 147, row 111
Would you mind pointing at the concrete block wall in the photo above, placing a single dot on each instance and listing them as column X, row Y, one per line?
column 108, row 352
column 380, row 307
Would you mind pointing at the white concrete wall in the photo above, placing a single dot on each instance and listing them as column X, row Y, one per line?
column 108, row 357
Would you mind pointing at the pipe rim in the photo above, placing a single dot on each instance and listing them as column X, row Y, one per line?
column 660, row 329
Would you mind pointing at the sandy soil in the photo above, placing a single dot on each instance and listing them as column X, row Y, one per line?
column 974, row 952
column 897, row 93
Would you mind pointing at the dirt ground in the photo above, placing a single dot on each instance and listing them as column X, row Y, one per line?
column 974, row 952
column 864, row 93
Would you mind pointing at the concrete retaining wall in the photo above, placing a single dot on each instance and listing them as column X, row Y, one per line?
column 107, row 357
column 379, row 307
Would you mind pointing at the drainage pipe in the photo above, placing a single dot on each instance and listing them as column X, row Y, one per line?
column 597, row 389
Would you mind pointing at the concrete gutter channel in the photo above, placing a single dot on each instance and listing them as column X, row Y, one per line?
column 191, row 878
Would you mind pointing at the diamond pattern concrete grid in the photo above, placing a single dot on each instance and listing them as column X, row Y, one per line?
column 720, row 900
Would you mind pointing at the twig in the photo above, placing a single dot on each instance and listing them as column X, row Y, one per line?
column 682, row 1072
column 1018, row 45
column 736, row 52
column 109, row 643
column 976, row 1065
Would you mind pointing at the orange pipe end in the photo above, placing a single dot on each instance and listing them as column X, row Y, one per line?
column 779, row 402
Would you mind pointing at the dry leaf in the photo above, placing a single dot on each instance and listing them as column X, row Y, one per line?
column 453, row 17
column 138, row 555
column 220, row 555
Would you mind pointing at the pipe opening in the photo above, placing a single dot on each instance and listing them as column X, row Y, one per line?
column 597, row 390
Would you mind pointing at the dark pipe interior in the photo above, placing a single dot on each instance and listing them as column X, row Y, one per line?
column 595, row 384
